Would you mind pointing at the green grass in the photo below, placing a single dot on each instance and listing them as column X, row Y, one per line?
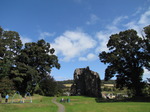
column 39, row 104
column 77, row 104
column 87, row 104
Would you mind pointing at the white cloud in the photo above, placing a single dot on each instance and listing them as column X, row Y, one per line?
column 103, row 36
column 119, row 19
column 43, row 35
column 146, row 74
column 134, row 25
column 89, row 57
column 145, row 18
column 76, row 44
column 93, row 19
column 139, row 23
column 103, row 40
column 115, row 27
column 73, row 44
column 25, row 39
column 138, row 11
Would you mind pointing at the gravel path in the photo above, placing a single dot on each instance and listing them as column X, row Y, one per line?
column 61, row 108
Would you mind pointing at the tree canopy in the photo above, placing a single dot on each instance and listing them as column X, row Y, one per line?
column 24, row 65
column 127, row 56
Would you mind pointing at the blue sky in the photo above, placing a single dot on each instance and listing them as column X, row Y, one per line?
column 77, row 29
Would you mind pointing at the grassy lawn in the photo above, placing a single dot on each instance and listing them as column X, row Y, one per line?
column 77, row 104
column 40, row 104
column 87, row 104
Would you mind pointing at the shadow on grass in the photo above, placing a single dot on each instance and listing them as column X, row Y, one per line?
column 134, row 99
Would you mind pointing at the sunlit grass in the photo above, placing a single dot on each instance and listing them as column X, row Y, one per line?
column 39, row 104
column 88, row 104
column 77, row 104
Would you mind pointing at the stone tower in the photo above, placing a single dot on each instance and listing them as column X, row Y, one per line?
column 86, row 83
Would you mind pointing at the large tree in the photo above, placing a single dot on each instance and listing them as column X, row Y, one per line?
column 126, row 59
column 10, row 47
column 24, row 67
column 34, row 63
column 146, row 47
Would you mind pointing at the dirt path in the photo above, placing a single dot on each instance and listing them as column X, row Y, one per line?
column 61, row 108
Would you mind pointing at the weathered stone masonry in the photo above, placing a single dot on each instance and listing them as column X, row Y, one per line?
column 86, row 83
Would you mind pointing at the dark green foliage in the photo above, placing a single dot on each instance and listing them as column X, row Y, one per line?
column 34, row 63
column 10, row 46
column 147, row 87
column 60, row 88
column 2, row 48
column 48, row 86
column 6, row 86
column 146, row 47
column 126, row 59
column 24, row 67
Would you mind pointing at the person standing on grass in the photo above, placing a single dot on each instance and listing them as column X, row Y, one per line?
column 6, row 98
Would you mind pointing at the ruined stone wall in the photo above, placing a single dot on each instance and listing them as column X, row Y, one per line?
column 86, row 82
